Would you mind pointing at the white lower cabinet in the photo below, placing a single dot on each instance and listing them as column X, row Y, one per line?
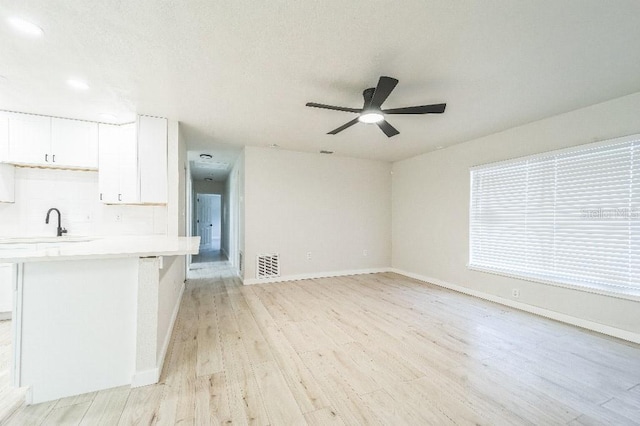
column 7, row 278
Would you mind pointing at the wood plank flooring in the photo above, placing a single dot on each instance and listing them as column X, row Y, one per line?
column 367, row 349
column 10, row 398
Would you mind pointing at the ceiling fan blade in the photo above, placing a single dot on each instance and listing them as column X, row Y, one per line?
column 422, row 109
column 383, row 90
column 344, row 126
column 335, row 108
column 387, row 128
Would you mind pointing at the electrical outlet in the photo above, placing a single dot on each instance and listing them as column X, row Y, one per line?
column 515, row 292
column 118, row 217
column 308, row 255
column 365, row 253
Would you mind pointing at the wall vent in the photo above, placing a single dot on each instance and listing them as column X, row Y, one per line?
column 268, row 266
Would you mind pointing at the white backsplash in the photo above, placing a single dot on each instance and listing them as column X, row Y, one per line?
column 75, row 194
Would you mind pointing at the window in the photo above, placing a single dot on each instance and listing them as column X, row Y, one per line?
column 567, row 217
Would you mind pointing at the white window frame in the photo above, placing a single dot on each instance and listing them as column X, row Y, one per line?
column 630, row 293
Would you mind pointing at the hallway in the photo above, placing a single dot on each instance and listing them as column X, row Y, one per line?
column 208, row 256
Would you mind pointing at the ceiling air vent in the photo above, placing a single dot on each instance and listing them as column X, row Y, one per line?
column 268, row 266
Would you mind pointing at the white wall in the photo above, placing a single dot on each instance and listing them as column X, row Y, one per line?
column 233, row 211
column 172, row 276
column 173, row 272
column 431, row 209
column 76, row 195
column 334, row 207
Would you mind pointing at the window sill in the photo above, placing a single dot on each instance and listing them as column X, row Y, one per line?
column 621, row 293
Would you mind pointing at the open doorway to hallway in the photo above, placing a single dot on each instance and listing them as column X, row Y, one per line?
column 209, row 228
column 219, row 172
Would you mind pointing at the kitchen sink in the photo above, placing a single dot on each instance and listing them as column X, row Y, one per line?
column 46, row 240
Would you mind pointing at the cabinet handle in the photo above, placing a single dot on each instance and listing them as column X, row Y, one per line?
column 101, row 196
column 46, row 158
column 53, row 157
column 119, row 197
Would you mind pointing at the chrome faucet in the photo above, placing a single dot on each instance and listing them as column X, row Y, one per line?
column 61, row 230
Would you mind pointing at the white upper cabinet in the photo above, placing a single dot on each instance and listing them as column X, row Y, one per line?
column 152, row 159
column 118, row 165
column 4, row 137
column 132, row 165
column 128, row 165
column 45, row 141
column 29, row 139
column 7, row 191
column 74, row 143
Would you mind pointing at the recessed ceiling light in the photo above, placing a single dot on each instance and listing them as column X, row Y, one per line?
column 371, row 117
column 78, row 84
column 108, row 117
column 206, row 156
column 439, row 147
column 25, row 27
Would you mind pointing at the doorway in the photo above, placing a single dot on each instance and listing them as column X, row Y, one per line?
column 209, row 228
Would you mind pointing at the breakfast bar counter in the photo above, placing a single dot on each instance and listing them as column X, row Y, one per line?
column 93, row 313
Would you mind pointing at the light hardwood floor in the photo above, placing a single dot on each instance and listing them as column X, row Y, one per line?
column 368, row 349
column 10, row 398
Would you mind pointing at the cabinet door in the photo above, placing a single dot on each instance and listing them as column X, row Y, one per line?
column 74, row 143
column 7, row 183
column 4, row 137
column 108, row 163
column 29, row 139
column 129, row 192
column 152, row 159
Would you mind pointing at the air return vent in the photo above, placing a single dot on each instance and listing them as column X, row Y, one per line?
column 268, row 266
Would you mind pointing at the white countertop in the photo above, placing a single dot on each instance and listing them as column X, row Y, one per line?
column 44, row 249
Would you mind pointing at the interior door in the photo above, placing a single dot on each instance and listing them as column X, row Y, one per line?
column 204, row 222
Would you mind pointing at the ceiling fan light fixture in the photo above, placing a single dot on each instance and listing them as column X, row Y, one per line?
column 371, row 117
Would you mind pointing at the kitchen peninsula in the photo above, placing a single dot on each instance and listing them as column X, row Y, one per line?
column 93, row 313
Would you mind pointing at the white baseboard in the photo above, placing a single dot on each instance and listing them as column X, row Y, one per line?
column 5, row 316
column 579, row 322
column 167, row 337
column 145, row 378
column 312, row 275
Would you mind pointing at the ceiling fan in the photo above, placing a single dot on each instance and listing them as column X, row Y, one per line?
column 372, row 113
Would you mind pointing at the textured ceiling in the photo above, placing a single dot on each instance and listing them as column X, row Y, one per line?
column 239, row 72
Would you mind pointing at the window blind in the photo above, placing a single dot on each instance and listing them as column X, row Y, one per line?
column 570, row 216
